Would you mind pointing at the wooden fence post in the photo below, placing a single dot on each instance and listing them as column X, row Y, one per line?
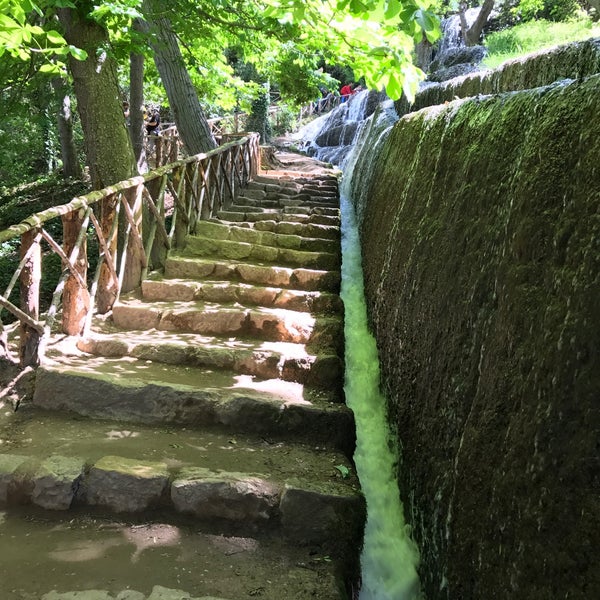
column 107, row 286
column 76, row 299
column 134, row 256
column 31, row 276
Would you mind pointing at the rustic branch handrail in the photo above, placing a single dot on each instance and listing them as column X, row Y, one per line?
column 196, row 187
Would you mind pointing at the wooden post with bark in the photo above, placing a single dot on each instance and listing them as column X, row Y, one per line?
column 31, row 276
column 76, row 298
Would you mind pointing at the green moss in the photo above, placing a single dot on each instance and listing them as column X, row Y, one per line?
column 481, row 249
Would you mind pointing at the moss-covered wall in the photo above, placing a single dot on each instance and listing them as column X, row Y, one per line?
column 481, row 249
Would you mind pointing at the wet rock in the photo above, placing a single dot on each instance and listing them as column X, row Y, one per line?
column 81, row 595
column 329, row 514
column 9, row 475
column 126, row 485
column 232, row 496
column 55, row 482
column 130, row 595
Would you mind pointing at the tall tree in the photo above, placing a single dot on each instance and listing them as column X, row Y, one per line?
column 108, row 146
column 189, row 116
column 71, row 166
column 472, row 34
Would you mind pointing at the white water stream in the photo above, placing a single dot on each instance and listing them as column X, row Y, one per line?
column 389, row 558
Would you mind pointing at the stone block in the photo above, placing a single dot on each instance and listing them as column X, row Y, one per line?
column 80, row 595
column 231, row 496
column 55, row 482
column 126, row 485
column 9, row 475
column 136, row 316
column 264, row 275
column 331, row 514
column 208, row 322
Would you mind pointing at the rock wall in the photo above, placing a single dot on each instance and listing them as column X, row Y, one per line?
column 481, row 251
column 570, row 61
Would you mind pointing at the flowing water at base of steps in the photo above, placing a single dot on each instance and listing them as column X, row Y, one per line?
column 389, row 558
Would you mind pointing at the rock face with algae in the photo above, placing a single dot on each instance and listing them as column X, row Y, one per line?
column 481, row 250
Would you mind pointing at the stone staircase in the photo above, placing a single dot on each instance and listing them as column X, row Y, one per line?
column 211, row 400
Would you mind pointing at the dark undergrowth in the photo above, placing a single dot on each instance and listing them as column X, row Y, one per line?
column 18, row 203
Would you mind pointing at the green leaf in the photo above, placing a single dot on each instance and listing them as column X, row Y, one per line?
column 78, row 53
column 49, row 68
column 394, row 87
column 344, row 470
column 55, row 38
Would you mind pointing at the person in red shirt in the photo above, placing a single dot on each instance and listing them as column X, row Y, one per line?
column 347, row 91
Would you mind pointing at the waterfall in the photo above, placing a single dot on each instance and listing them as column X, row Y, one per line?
column 389, row 558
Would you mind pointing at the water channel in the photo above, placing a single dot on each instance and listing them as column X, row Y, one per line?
column 390, row 557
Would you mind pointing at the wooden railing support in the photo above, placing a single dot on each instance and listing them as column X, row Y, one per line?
column 31, row 276
column 199, row 187
column 76, row 298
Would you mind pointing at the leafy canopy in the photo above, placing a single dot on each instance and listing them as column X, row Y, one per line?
column 375, row 37
column 22, row 35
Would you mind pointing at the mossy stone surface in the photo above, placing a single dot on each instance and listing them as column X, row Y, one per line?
column 481, row 251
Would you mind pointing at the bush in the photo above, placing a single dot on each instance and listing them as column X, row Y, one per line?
column 284, row 120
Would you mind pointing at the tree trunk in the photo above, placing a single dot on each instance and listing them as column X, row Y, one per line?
column 136, row 101
column 189, row 117
column 71, row 166
column 31, row 276
column 107, row 144
column 473, row 33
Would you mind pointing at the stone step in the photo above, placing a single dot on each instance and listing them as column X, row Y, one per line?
column 251, row 207
column 157, row 287
column 271, row 324
column 239, row 214
column 217, row 230
column 237, row 250
column 140, row 391
column 310, row 230
column 275, row 201
column 185, row 267
column 265, row 360
column 302, row 497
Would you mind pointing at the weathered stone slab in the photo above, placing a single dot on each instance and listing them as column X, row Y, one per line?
column 183, row 267
column 132, row 316
column 81, row 595
column 198, row 320
column 314, row 279
column 55, row 482
column 264, row 254
column 231, row 496
column 264, row 275
column 282, row 325
column 169, row 289
column 104, row 346
column 329, row 513
column 9, row 474
column 126, row 485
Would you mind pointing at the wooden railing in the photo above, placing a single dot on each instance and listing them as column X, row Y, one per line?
column 134, row 224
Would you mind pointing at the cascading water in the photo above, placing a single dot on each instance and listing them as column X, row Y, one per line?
column 389, row 558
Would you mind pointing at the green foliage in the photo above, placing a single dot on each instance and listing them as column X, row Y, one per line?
column 374, row 37
column 284, row 120
column 552, row 10
column 259, row 117
column 535, row 35
column 22, row 35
